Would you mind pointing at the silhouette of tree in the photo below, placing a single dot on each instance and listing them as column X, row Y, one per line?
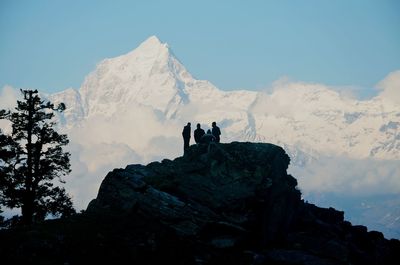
column 31, row 158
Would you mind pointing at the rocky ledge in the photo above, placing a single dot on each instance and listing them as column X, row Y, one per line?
column 219, row 204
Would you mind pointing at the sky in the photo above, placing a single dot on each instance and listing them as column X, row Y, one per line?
column 52, row 45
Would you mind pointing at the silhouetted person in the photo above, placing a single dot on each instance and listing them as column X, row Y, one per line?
column 216, row 131
column 198, row 133
column 207, row 138
column 186, row 137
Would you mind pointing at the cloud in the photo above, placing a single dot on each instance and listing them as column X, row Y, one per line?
column 390, row 87
column 9, row 97
column 164, row 147
column 288, row 98
column 345, row 91
column 90, row 164
column 100, row 144
column 340, row 174
column 367, row 190
column 8, row 101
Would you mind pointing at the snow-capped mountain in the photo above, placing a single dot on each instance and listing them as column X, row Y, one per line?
column 150, row 75
column 311, row 117
column 132, row 108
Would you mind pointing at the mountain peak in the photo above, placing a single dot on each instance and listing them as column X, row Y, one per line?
column 152, row 43
column 152, row 40
column 149, row 75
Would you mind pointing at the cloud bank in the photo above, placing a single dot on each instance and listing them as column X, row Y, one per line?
column 389, row 87
column 344, row 175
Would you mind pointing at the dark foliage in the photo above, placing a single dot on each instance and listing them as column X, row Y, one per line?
column 1, row 219
column 31, row 158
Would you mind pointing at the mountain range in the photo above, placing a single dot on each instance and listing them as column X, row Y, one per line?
column 152, row 77
column 132, row 108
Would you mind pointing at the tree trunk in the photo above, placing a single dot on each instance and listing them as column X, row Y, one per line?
column 27, row 212
column 27, row 207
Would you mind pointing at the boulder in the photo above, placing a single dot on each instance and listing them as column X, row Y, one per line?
column 239, row 184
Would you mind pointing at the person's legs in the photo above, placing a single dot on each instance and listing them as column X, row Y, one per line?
column 185, row 144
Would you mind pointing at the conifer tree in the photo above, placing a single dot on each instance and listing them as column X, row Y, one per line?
column 32, row 158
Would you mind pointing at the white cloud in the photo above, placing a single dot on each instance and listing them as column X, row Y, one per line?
column 8, row 101
column 101, row 144
column 164, row 147
column 390, row 87
column 9, row 97
column 90, row 164
column 340, row 174
column 287, row 98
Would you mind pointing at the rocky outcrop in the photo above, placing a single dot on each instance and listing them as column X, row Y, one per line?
column 228, row 196
column 239, row 186
column 219, row 204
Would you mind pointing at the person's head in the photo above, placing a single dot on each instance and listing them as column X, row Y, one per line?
column 208, row 131
column 198, row 125
column 188, row 124
column 214, row 124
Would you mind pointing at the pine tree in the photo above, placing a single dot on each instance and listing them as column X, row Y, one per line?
column 32, row 158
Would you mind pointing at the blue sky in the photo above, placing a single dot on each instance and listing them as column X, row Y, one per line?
column 52, row 45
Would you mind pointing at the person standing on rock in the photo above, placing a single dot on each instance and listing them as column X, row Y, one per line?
column 216, row 132
column 198, row 133
column 186, row 137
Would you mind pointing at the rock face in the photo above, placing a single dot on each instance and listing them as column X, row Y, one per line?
column 241, row 187
column 219, row 204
